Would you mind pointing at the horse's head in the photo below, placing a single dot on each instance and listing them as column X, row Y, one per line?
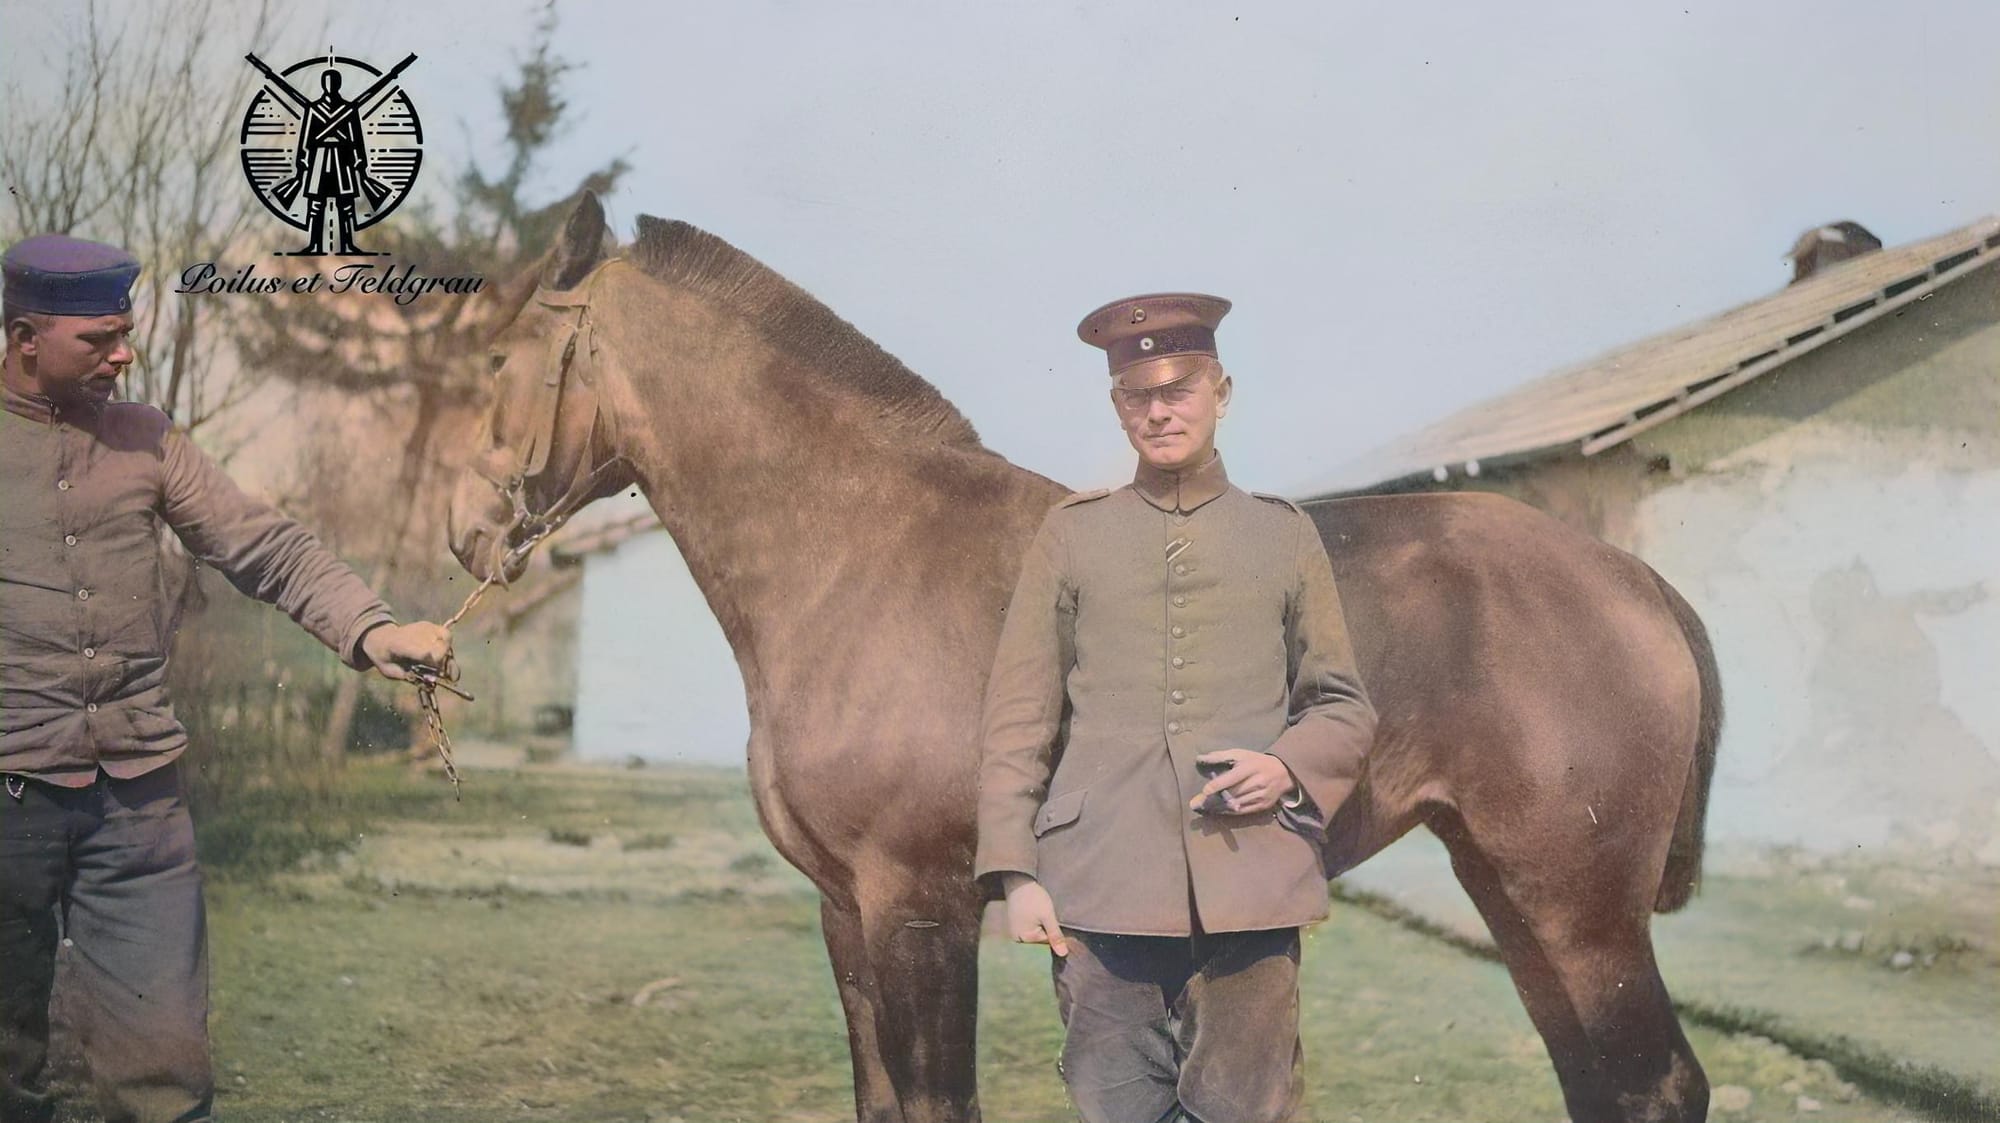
column 545, row 448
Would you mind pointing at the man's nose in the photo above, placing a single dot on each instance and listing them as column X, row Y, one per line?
column 122, row 355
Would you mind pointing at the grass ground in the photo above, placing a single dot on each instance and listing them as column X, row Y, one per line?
column 624, row 946
column 1888, row 968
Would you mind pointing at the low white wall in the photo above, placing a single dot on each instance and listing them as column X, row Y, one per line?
column 655, row 678
column 1851, row 583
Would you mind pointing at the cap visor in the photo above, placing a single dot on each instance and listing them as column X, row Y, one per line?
column 1161, row 371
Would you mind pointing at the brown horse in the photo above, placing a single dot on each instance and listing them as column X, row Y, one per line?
column 1548, row 705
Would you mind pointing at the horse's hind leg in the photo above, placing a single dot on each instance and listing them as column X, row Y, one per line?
column 1577, row 943
column 874, row 1094
column 923, row 949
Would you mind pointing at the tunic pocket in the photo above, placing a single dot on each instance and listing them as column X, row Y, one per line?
column 1060, row 811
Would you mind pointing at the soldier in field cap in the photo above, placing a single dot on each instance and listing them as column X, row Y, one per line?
column 1172, row 716
column 95, row 845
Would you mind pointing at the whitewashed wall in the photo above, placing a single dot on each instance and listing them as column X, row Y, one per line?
column 655, row 678
column 1851, row 582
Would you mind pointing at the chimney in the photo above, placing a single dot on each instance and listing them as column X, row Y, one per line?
column 1824, row 245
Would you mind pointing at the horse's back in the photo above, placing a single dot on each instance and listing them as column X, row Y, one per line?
column 1515, row 663
column 1477, row 566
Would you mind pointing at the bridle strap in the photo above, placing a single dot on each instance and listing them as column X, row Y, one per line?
column 572, row 335
column 574, row 345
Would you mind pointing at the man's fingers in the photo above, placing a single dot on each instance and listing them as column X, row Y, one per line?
column 1057, row 942
column 436, row 644
column 1223, row 782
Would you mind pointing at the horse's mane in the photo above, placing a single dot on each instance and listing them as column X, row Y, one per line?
column 795, row 322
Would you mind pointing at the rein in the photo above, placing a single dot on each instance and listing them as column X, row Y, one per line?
column 577, row 334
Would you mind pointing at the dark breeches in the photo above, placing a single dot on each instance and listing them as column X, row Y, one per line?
column 108, row 873
column 1202, row 1028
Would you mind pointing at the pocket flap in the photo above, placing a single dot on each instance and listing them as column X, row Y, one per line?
column 1058, row 811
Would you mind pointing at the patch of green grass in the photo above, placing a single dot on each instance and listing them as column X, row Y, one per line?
column 345, row 992
column 1941, row 1093
column 751, row 863
column 651, row 840
column 256, row 831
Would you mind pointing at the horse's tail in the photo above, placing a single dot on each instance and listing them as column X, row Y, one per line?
column 1684, row 853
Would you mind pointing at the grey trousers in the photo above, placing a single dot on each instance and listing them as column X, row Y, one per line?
column 109, row 871
column 1167, row 1028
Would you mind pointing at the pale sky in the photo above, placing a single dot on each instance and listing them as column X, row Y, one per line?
column 1414, row 205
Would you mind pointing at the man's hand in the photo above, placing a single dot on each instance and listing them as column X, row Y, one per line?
column 393, row 647
column 1031, row 914
column 1254, row 783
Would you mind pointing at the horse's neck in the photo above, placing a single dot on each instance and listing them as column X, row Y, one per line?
column 792, row 500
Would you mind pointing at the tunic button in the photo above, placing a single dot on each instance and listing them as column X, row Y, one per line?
column 1179, row 662
column 69, row 539
column 1178, row 697
column 90, row 708
column 62, row 485
column 1181, row 569
column 1180, row 602
column 1179, row 631
column 90, row 653
column 1173, row 727
column 83, row 594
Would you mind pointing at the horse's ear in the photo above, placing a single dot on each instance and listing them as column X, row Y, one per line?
column 581, row 246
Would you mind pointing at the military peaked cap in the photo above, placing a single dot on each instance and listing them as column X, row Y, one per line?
column 58, row 275
column 1155, row 339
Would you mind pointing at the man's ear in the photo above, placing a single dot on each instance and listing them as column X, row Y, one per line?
column 1222, row 392
column 21, row 335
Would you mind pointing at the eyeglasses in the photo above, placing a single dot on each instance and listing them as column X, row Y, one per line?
column 1173, row 394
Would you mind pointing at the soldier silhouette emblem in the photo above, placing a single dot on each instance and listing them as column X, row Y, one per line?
column 331, row 165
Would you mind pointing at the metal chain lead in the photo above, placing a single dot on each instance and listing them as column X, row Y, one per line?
column 427, row 696
column 428, row 679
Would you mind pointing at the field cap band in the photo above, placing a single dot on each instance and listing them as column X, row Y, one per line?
column 57, row 275
column 1156, row 339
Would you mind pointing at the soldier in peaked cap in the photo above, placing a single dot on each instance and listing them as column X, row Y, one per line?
column 95, row 844
column 1172, row 716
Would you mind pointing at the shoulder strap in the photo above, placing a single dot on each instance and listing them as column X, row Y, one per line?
column 1084, row 497
column 1279, row 500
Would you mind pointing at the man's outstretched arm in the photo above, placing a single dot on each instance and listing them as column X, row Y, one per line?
column 276, row 560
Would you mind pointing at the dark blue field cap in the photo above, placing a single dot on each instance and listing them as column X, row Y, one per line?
column 58, row 275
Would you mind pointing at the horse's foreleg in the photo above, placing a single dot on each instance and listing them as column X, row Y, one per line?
column 923, row 948
column 846, row 946
column 1581, row 957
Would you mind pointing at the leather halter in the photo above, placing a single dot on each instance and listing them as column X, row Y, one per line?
column 573, row 347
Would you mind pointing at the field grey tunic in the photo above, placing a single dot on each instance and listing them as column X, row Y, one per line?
column 1169, row 618
column 83, row 630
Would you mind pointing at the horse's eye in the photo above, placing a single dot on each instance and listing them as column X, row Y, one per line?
column 496, row 360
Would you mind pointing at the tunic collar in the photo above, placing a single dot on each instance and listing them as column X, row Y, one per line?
column 1182, row 491
column 34, row 407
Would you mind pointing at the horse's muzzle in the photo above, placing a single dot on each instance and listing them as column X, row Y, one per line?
column 477, row 531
